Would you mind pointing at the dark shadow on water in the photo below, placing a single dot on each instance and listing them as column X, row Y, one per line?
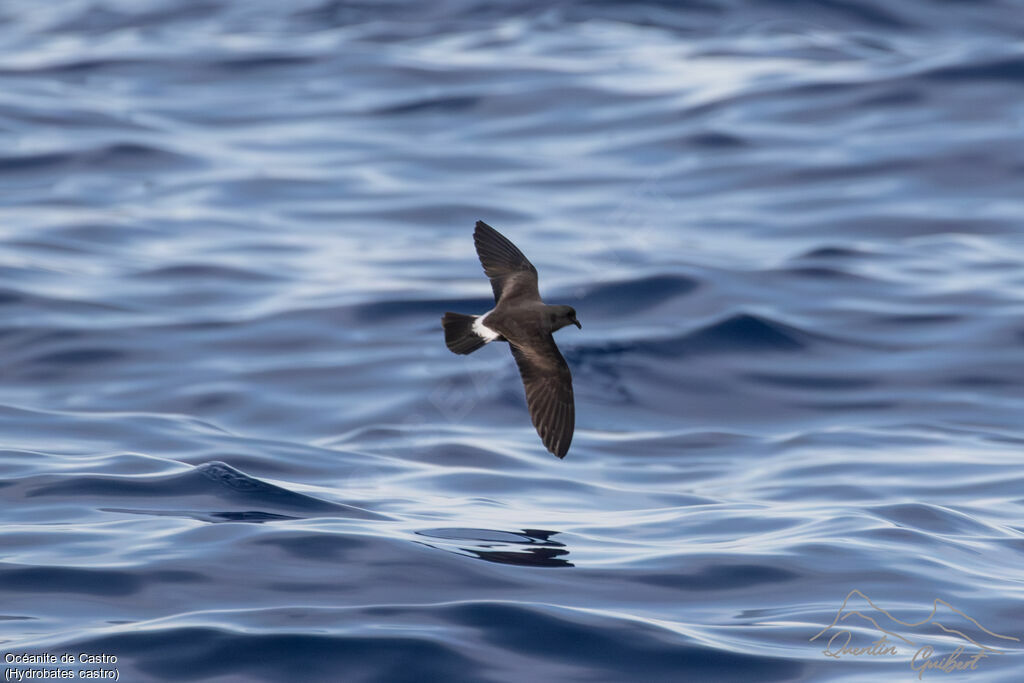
column 532, row 557
column 528, row 548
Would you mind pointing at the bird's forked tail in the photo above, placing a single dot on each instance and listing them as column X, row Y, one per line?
column 459, row 334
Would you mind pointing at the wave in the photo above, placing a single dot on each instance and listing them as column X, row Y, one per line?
column 119, row 156
column 496, row 641
column 190, row 272
column 1007, row 68
column 630, row 296
column 209, row 652
column 217, row 492
column 736, row 333
column 89, row 581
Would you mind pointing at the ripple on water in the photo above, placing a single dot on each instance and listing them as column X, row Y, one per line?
column 234, row 444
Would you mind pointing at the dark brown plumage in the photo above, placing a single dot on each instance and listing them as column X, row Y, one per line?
column 520, row 318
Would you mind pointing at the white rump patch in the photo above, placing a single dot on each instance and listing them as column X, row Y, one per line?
column 482, row 331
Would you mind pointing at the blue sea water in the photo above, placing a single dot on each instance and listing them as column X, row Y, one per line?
column 235, row 447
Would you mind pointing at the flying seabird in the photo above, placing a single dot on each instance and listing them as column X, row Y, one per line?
column 520, row 318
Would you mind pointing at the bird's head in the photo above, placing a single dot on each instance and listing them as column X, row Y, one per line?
column 563, row 316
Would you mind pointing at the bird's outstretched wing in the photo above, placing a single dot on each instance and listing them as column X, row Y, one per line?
column 512, row 275
column 548, row 384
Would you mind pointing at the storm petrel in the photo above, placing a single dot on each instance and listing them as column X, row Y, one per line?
column 520, row 318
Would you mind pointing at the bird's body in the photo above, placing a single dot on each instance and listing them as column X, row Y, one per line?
column 522, row 319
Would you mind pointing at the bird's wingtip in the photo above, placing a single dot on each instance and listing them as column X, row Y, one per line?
column 558, row 450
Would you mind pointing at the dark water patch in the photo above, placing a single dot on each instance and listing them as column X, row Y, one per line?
column 901, row 226
column 109, row 234
column 901, row 97
column 821, row 273
column 38, row 337
column 818, row 382
column 716, row 141
column 71, row 118
column 211, row 516
column 981, row 381
column 124, row 156
column 1010, row 68
column 835, row 252
column 379, row 311
column 847, row 172
column 136, row 156
column 899, row 536
column 216, row 480
column 262, row 62
column 721, row 577
column 526, row 536
column 607, row 649
column 912, row 319
column 208, row 653
column 21, row 303
column 202, row 401
column 878, row 405
column 49, row 245
column 241, row 484
column 321, row 547
column 68, row 580
column 735, row 333
column 88, row 581
column 529, row 548
column 80, row 357
column 861, row 13
column 635, row 295
column 746, row 332
column 441, row 105
column 190, row 272
column 33, row 162
column 529, row 557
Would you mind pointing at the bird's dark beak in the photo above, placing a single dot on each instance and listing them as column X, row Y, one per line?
column 577, row 323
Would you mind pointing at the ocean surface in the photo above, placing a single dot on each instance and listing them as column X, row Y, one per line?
column 233, row 445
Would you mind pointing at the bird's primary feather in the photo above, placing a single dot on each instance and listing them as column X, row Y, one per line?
column 548, row 385
column 511, row 273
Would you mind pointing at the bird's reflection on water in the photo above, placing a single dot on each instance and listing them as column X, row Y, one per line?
column 528, row 548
